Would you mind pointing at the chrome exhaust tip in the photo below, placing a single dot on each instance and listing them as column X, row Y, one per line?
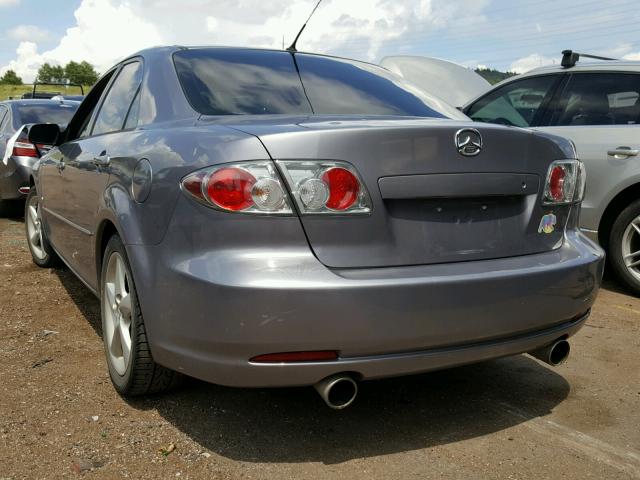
column 553, row 354
column 338, row 391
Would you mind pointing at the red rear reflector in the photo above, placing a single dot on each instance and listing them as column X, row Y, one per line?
column 556, row 183
column 292, row 357
column 343, row 188
column 23, row 149
column 230, row 188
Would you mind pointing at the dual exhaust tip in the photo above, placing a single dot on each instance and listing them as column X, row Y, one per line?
column 554, row 354
column 340, row 390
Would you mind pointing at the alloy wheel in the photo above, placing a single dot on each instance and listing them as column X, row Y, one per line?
column 631, row 247
column 117, row 313
column 34, row 228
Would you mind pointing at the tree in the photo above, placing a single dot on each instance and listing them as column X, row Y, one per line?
column 82, row 73
column 10, row 78
column 50, row 73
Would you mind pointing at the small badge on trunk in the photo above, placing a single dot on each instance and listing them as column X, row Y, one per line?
column 468, row 142
column 547, row 223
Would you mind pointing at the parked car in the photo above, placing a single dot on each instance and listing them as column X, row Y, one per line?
column 17, row 154
column 597, row 106
column 275, row 218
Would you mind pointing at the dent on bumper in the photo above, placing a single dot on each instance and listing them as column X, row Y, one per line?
column 208, row 313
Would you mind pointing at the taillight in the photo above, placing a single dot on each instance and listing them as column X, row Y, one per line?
column 24, row 149
column 565, row 182
column 318, row 187
column 325, row 187
column 248, row 187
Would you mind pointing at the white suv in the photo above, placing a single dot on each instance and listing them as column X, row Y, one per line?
column 597, row 105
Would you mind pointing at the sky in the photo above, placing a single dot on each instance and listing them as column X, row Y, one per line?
column 514, row 35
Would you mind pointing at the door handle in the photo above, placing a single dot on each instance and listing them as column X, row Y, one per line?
column 623, row 152
column 102, row 160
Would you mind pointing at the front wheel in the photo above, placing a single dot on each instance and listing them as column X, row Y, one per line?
column 42, row 253
column 131, row 366
column 624, row 247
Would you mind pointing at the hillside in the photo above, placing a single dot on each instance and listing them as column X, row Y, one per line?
column 493, row 76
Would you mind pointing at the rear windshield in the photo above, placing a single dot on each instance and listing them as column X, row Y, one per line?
column 55, row 112
column 253, row 82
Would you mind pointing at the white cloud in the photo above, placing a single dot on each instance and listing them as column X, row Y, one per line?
column 107, row 30
column 530, row 62
column 29, row 33
column 632, row 56
column 8, row 3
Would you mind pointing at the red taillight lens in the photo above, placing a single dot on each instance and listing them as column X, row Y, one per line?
column 247, row 187
column 556, row 183
column 292, row 357
column 230, row 188
column 565, row 182
column 24, row 149
column 343, row 188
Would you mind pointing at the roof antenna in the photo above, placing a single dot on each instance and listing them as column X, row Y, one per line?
column 292, row 47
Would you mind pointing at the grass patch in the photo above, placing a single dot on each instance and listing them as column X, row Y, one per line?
column 16, row 91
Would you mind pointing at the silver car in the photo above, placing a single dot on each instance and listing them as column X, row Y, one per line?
column 274, row 218
column 17, row 154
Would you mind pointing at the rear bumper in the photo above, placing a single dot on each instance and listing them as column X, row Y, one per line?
column 15, row 175
column 207, row 314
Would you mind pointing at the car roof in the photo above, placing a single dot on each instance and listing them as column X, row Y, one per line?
column 176, row 48
column 604, row 66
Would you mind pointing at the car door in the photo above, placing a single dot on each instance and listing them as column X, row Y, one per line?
column 600, row 112
column 88, row 165
column 519, row 103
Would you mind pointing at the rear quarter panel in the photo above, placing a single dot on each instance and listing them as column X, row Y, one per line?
column 173, row 153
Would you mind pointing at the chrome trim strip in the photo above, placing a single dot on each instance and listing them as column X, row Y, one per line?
column 68, row 222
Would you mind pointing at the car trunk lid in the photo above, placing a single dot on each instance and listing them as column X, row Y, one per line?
column 430, row 203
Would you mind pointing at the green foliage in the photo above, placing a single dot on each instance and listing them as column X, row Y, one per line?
column 10, row 78
column 50, row 73
column 73, row 72
column 82, row 73
column 493, row 76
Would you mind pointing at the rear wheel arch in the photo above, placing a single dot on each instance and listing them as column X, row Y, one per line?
column 617, row 204
column 105, row 231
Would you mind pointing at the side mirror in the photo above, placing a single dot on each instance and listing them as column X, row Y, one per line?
column 44, row 134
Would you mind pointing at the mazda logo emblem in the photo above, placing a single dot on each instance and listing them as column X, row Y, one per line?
column 468, row 142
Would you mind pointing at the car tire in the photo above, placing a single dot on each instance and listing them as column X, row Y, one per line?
column 42, row 252
column 624, row 243
column 133, row 373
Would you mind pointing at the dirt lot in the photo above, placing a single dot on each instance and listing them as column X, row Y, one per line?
column 511, row 418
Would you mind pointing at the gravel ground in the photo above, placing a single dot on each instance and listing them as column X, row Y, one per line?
column 510, row 418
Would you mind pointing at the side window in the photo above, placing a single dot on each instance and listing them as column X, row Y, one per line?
column 134, row 110
column 116, row 105
column 517, row 103
column 4, row 117
column 599, row 99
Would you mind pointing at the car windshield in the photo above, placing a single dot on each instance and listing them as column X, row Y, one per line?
column 54, row 112
column 252, row 82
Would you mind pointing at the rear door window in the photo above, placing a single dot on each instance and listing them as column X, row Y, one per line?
column 518, row 103
column 599, row 99
column 115, row 107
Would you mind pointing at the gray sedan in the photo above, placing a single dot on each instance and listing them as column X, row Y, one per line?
column 273, row 218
